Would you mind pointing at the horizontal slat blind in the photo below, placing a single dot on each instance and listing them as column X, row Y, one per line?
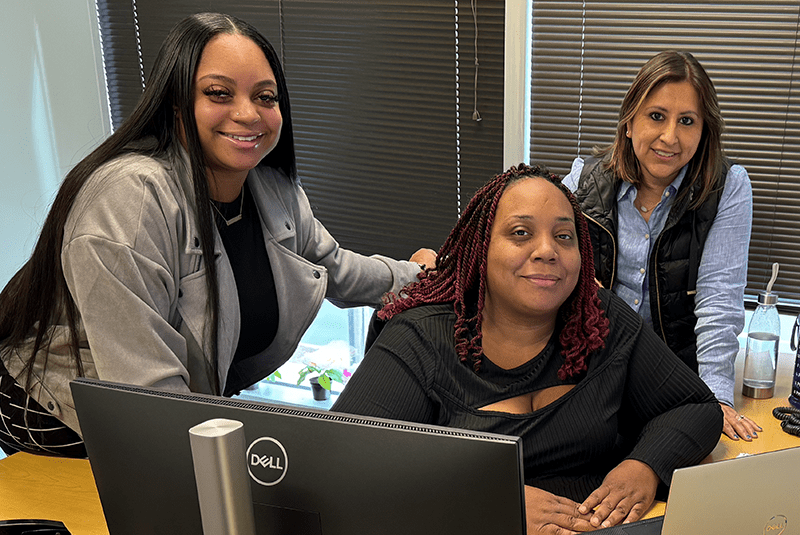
column 382, row 95
column 120, row 46
column 480, row 142
column 133, row 30
column 375, row 100
column 586, row 54
column 375, row 81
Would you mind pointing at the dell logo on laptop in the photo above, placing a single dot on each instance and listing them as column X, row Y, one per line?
column 267, row 461
column 776, row 525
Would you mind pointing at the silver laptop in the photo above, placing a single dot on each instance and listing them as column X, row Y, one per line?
column 749, row 495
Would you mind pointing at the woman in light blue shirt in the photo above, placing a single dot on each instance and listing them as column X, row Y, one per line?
column 670, row 218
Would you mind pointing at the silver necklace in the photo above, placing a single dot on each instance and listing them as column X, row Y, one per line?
column 235, row 218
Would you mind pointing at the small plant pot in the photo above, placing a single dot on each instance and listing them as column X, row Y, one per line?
column 320, row 394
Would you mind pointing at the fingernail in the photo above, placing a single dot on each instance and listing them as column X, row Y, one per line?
column 749, row 437
column 735, row 437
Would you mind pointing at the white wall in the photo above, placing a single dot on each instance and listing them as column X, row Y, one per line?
column 54, row 111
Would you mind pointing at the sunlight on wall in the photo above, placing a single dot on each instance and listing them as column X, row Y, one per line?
column 54, row 112
column 42, row 131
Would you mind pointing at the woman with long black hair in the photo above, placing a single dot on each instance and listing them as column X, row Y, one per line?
column 182, row 253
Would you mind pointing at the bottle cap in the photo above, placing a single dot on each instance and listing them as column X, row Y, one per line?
column 765, row 298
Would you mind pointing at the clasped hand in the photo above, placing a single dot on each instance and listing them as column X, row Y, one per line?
column 625, row 495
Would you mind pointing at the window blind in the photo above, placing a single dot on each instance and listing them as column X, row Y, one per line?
column 382, row 96
column 586, row 54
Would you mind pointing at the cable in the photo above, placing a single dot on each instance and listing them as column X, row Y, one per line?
column 790, row 417
column 476, row 116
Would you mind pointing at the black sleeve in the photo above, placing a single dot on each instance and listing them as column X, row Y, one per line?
column 675, row 417
column 384, row 385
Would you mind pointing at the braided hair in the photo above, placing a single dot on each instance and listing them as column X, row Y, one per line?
column 461, row 270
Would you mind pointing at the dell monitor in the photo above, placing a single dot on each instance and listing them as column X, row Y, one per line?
column 327, row 473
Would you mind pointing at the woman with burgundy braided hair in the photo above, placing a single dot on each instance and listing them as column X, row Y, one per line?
column 510, row 334
column 585, row 329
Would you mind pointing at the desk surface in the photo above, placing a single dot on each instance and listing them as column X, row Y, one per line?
column 51, row 488
column 34, row 486
column 772, row 438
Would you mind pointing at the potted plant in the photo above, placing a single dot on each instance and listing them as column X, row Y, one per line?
column 320, row 383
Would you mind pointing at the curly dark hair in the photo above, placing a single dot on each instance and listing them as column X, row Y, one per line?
column 461, row 269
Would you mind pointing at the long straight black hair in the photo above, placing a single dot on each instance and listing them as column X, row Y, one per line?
column 36, row 297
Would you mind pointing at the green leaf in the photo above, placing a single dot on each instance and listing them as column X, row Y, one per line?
column 325, row 382
column 303, row 373
column 335, row 375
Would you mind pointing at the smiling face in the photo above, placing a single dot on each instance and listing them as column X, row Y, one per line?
column 533, row 261
column 236, row 108
column 666, row 131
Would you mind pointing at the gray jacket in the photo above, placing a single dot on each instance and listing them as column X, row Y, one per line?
column 133, row 265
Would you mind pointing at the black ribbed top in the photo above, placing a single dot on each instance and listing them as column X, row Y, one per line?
column 636, row 400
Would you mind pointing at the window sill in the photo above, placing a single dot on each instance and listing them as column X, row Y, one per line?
column 286, row 394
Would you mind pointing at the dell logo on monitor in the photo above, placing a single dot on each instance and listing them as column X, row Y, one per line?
column 267, row 461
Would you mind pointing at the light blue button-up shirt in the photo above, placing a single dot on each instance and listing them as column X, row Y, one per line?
column 722, row 274
column 636, row 239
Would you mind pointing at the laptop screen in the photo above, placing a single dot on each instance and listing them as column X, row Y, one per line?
column 344, row 474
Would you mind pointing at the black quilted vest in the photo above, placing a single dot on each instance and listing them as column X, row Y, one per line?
column 675, row 259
